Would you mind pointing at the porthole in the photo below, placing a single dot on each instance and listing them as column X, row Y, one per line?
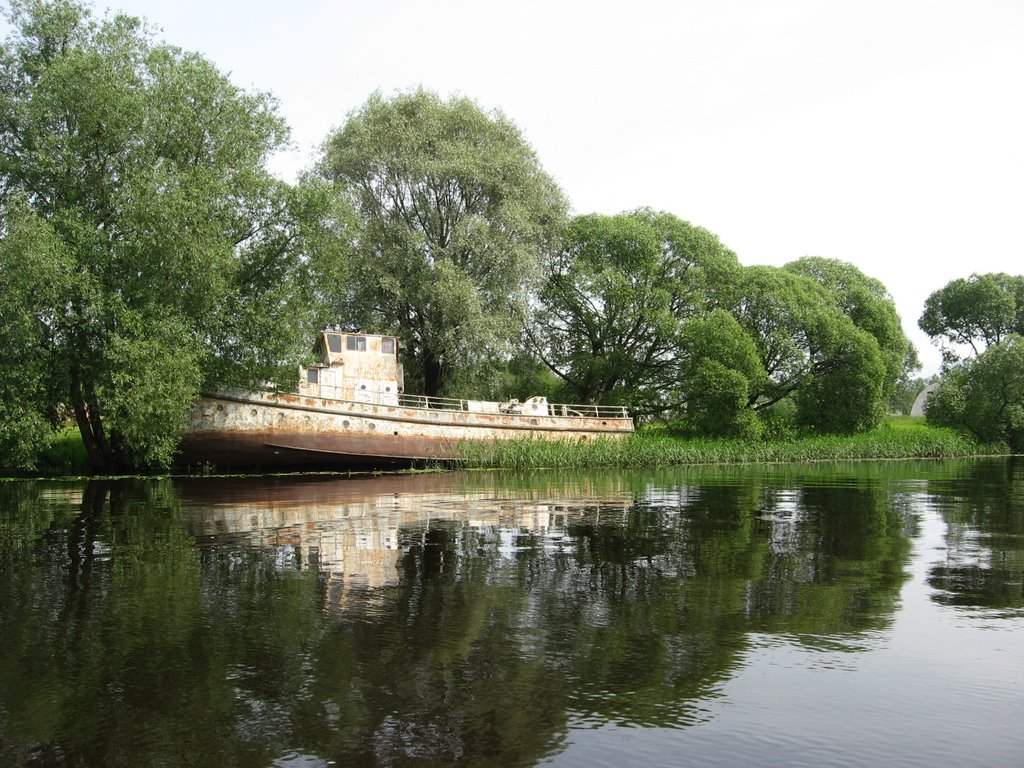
column 345, row 423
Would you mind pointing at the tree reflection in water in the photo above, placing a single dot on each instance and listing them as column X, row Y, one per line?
column 984, row 513
column 443, row 618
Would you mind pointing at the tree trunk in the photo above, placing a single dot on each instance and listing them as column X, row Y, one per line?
column 89, row 424
column 433, row 375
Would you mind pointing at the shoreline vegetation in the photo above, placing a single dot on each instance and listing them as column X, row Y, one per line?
column 897, row 438
column 430, row 219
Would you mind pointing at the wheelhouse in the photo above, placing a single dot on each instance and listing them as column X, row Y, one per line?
column 354, row 366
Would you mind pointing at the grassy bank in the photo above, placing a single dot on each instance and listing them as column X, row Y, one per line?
column 898, row 438
column 66, row 455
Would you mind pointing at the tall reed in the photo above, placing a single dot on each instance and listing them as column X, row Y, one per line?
column 653, row 450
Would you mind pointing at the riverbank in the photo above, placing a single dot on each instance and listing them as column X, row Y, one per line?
column 896, row 438
column 66, row 455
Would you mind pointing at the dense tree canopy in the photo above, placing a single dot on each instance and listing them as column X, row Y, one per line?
column 719, row 376
column 868, row 304
column 975, row 312
column 775, row 308
column 982, row 392
column 846, row 389
column 985, row 395
column 145, row 248
column 648, row 310
column 456, row 217
column 614, row 301
column 812, row 350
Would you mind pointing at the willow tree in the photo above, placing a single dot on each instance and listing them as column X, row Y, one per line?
column 974, row 312
column 868, row 304
column 811, row 351
column 456, row 215
column 985, row 395
column 720, row 372
column 145, row 247
column 615, row 298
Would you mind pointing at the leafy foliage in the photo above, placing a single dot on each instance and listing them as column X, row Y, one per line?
column 145, row 251
column 868, row 304
column 976, row 312
column 145, row 246
column 35, row 276
column 720, row 372
column 648, row 310
column 456, row 216
column 614, row 300
column 845, row 392
column 775, row 308
column 812, row 351
column 985, row 395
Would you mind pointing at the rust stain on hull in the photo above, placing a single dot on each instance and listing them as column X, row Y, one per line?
column 240, row 428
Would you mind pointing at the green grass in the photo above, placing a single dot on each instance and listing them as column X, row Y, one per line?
column 897, row 438
column 66, row 455
column 905, row 422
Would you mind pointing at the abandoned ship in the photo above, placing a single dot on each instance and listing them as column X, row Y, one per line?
column 351, row 409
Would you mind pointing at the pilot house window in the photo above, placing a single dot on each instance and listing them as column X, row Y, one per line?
column 334, row 342
column 356, row 343
column 387, row 346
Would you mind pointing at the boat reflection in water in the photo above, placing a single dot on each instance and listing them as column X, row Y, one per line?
column 356, row 529
column 713, row 616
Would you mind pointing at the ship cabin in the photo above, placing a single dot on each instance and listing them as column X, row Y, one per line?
column 359, row 367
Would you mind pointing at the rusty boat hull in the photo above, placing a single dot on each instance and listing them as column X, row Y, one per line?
column 267, row 429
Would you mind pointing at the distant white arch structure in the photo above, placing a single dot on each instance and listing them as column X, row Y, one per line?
column 922, row 400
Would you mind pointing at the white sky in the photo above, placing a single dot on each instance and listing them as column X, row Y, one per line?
column 886, row 133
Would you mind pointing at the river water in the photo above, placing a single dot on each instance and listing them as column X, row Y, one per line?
column 814, row 615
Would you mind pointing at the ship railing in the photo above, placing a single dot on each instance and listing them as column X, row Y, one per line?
column 433, row 403
column 572, row 410
column 593, row 411
column 554, row 409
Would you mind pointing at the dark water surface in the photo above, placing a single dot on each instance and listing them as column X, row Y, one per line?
column 863, row 614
